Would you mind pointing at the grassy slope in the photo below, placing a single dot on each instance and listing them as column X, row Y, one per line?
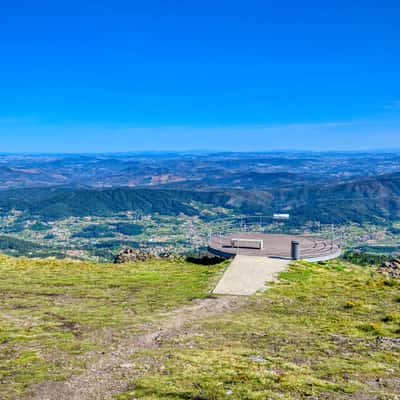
column 315, row 335
column 54, row 312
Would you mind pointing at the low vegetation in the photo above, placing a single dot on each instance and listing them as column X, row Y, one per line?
column 324, row 331
column 365, row 259
column 328, row 331
column 52, row 313
column 15, row 246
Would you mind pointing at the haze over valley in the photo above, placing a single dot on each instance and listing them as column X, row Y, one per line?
column 91, row 206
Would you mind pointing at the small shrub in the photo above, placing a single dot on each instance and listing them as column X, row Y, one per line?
column 390, row 282
column 365, row 259
column 205, row 260
column 391, row 318
column 350, row 304
column 353, row 304
column 375, row 329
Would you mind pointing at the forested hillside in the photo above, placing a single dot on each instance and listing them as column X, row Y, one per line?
column 365, row 199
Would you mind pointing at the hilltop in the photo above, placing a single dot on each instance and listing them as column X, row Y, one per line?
column 151, row 330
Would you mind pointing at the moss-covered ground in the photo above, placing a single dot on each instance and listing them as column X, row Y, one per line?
column 325, row 331
column 53, row 313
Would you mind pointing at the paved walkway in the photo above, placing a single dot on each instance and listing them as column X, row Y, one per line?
column 248, row 274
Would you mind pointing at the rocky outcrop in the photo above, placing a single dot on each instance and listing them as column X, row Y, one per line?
column 391, row 269
column 132, row 255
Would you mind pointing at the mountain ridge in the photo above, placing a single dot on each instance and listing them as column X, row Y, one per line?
column 356, row 200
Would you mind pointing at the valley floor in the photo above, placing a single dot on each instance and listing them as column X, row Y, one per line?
column 152, row 330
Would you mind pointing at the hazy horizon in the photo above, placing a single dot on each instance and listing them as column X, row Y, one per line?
column 203, row 151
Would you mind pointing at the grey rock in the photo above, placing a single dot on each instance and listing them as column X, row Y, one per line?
column 257, row 359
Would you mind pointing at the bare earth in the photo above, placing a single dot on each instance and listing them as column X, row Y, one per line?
column 110, row 374
column 247, row 275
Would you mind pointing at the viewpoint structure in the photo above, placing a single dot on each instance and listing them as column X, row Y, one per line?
column 307, row 247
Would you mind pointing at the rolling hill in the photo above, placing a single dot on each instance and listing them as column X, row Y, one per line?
column 365, row 199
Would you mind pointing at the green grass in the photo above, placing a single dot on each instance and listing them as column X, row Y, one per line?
column 52, row 312
column 314, row 335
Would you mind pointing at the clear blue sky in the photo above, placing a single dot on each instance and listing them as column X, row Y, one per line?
column 80, row 76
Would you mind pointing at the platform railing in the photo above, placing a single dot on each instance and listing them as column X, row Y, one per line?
column 265, row 224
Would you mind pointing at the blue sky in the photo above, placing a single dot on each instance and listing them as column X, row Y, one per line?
column 79, row 76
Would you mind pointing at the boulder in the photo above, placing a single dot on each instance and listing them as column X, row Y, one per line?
column 390, row 269
column 132, row 255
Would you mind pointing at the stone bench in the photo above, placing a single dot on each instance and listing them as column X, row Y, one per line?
column 247, row 243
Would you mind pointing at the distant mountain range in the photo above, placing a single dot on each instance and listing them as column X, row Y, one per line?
column 215, row 171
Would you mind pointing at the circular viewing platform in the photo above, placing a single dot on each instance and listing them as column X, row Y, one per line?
column 311, row 248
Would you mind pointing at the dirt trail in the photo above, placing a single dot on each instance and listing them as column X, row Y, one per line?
column 111, row 373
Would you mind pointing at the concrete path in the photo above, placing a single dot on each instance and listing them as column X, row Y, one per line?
column 248, row 274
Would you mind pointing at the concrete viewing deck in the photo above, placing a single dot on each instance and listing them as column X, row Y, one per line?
column 312, row 248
